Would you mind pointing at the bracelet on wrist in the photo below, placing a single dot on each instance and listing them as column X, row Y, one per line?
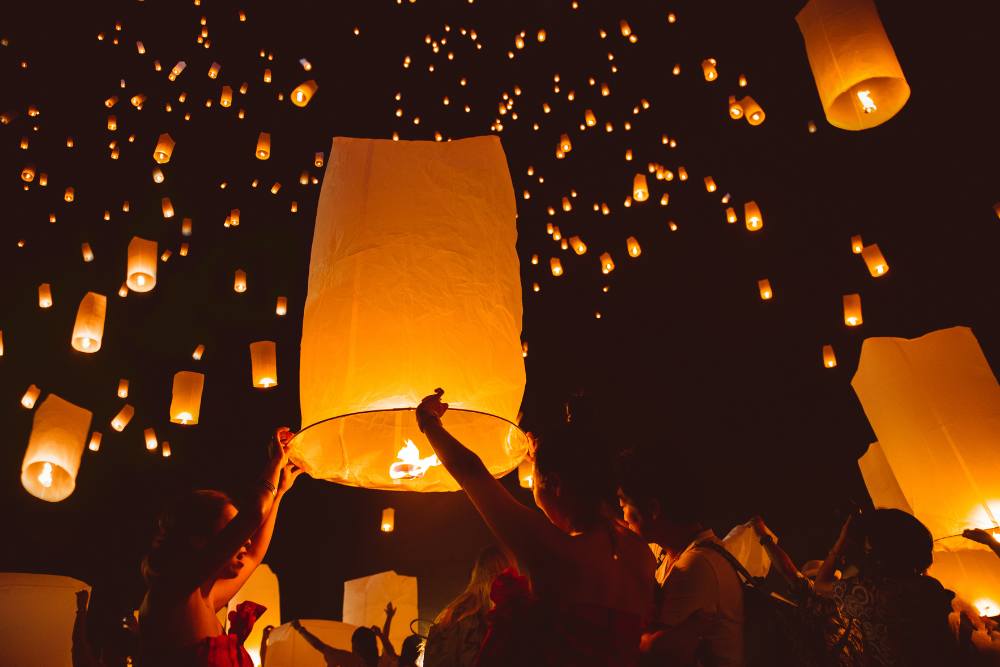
column 270, row 487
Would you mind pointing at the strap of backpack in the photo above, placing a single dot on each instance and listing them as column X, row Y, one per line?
column 748, row 579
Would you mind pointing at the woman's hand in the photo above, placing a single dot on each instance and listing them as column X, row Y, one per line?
column 289, row 474
column 278, row 456
column 981, row 536
column 430, row 410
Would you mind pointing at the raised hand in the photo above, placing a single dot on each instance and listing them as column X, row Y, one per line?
column 289, row 474
column 981, row 536
column 430, row 410
column 390, row 611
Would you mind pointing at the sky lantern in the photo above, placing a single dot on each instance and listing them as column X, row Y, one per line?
column 264, row 364
column 281, row 307
column 28, row 173
column 87, row 252
column 226, row 98
column 30, row 396
column 565, row 145
column 199, row 352
column 852, row 310
column 877, row 266
column 366, row 362
column 95, row 441
column 164, row 149
column 122, row 388
column 607, row 264
column 579, row 247
column 632, row 245
column 556, row 266
column 263, row 146
column 44, row 295
column 708, row 69
column 751, row 110
column 168, row 207
column 388, row 523
column 304, row 92
column 213, row 71
column 149, row 435
column 829, row 358
column 185, row 402
column 140, row 275
column 730, row 215
column 589, row 119
column 124, row 416
column 751, row 213
column 165, row 449
column 51, row 461
column 934, row 405
column 240, row 281
column 526, row 473
column 764, row 286
column 89, row 327
column 640, row 191
column 857, row 245
column 859, row 80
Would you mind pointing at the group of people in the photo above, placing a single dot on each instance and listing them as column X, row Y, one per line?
column 578, row 584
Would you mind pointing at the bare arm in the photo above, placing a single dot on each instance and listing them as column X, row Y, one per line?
column 383, row 634
column 827, row 575
column 781, row 561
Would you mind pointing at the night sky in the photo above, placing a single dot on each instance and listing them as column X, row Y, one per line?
column 685, row 357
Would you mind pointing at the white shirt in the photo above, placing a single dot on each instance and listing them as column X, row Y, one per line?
column 701, row 581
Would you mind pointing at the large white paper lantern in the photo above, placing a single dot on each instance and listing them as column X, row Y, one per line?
column 365, row 599
column 58, row 435
column 37, row 612
column 414, row 283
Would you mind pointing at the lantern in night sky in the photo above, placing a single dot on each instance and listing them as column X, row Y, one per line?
column 632, row 245
column 640, row 191
column 264, row 364
column 388, row 520
column 934, row 404
column 124, row 416
column 751, row 110
column 185, row 403
column 87, row 252
column 877, row 266
column 44, row 295
column 708, row 69
column 556, row 265
column 164, row 149
column 526, row 473
column 123, row 388
column 752, row 215
column 52, row 459
column 577, row 244
column 240, row 281
column 141, row 272
column 607, row 264
column 858, row 77
column 226, row 97
column 304, row 92
column 89, row 327
column 149, row 435
column 764, row 287
column 857, row 245
column 852, row 310
column 199, row 351
column 95, row 441
column 281, row 307
column 30, row 396
column 829, row 358
column 377, row 337
column 263, row 146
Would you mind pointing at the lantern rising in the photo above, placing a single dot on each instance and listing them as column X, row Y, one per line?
column 640, row 191
column 388, row 520
column 829, row 358
column 164, row 149
column 752, row 215
column 124, row 416
column 30, row 396
column 89, row 328
column 264, row 364
column 934, row 404
column 185, row 404
column 141, row 272
column 52, row 459
column 877, row 266
column 263, row 146
column 859, row 80
column 378, row 335
column 304, row 92
column 852, row 310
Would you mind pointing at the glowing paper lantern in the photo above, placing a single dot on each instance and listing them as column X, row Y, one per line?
column 165, row 449
column 123, row 388
column 934, row 404
column 579, row 247
column 365, row 599
column 857, row 245
column 640, row 191
column 149, row 435
column 44, row 295
column 304, row 92
column 877, row 266
column 764, row 286
column 168, row 207
column 281, row 307
column 859, row 80
column 556, row 266
column 164, row 149
column 752, row 111
column 262, row 587
column 730, row 215
column 226, row 97
column 52, row 459
column 185, row 403
column 632, row 245
column 377, row 338
column 240, row 281
column 829, row 358
column 565, row 145
column 708, row 69
column 124, row 416
column 213, row 71
column 141, row 273
column 199, row 351
column 264, row 364
column 30, row 396
column 735, row 110
column 388, row 520
column 89, row 327
column 852, row 310
column 753, row 217
column 95, row 441
column 710, row 184
column 607, row 264
column 263, row 146
column 88, row 252
column 526, row 474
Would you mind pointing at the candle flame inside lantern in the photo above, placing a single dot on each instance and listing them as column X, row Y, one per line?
column 987, row 607
column 45, row 477
column 867, row 104
column 410, row 465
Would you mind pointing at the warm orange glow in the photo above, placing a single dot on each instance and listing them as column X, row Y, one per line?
column 304, row 92
column 240, row 281
column 124, row 416
column 140, row 275
column 764, row 286
column 30, row 396
column 164, row 148
column 556, row 266
column 632, row 245
column 44, row 295
column 829, row 358
column 263, row 146
column 410, row 465
column 88, row 331
column 640, row 191
column 607, row 264
column 708, row 69
column 579, row 247
column 388, row 523
column 852, row 310
column 857, row 245
column 264, row 364
column 185, row 402
column 753, row 217
column 877, row 266
column 150, row 436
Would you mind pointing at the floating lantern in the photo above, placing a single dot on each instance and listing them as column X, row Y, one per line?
column 857, row 245
column 589, row 119
column 44, row 295
column 30, row 396
column 526, row 474
column 165, row 449
column 226, row 98
column 710, row 184
column 123, row 388
column 566, row 205
column 877, row 266
column 852, row 310
column 164, row 149
column 829, row 358
column 730, row 215
column 69, row 195
column 682, row 173
column 556, row 266
column 360, row 398
column 89, row 327
column 640, row 191
column 95, row 441
column 751, row 110
column 304, row 92
column 318, row 160
column 565, row 145
column 708, row 69
column 267, row 76
column 751, row 213
column 858, row 77
column 281, row 307
column 28, row 173
column 213, row 71
column 87, row 252
column 764, row 286
column 264, row 364
column 263, row 146
column 157, row 175
column 199, row 351
column 168, row 207
column 186, row 227
column 579, row 247
column 811, row 127
column 388, row 520
column 934, row 404
column 124, row 416
column 176, row 70
column 149, row 435
column 140, row 275
column 123, row 290
column 185, row 403
column 633, row 247
column 607, row 264
column 240, row 281
column 52, row 458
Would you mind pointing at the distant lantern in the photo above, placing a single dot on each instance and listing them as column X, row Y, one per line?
column 589, row 119
column 640, row 191
column 112, row 123
column 556, row 266
column 165, row 449
column 577, row 244
column 682, row 173
column 752, row 111
column 388, row 520
column 213, row 71
column 858, row 77
column 123, row 388
column 566, row 205
column 87, row 252
column 710, row 184
column 141, row 272
column 304, row 92
column 852, row 310
column 28, row 173
column 149, row 435
column 30, row 396
column 264, row 364
column 632, row 245
column 281, row 307
column 168, row 207
column 55, row 446
column 829, row 358
column 267, row 76
column 44, row 295
column 186, row 227
column 164, row 149
column 185, row 403
column 708, row 69
column 157, row 175
column 565, row 145
column 363, row 431
column 735, row 109
column 95, row 441
column 764, row 287
column 69, row 195
column 240, row 281
column 526, row 474
column 318, row 159
column 226, row 97
column 730, row 215
column 857, row 245
column 665, row 199
column 124, row 416
column 89, row 327
column 263, row 146
column 198, row 353
column 877, row 266
column 176, row 70
column 607, row 264
column 751, row 213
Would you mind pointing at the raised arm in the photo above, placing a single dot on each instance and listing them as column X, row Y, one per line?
column 383, row 633
column 779, row 558
column 318, row 644
column 526, row 533
column 827, row 575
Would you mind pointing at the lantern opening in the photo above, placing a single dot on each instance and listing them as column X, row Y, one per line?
column 410, row 464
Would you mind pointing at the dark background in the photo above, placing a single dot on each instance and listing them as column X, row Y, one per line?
column 685, row 358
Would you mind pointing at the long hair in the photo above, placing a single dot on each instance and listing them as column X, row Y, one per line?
column 193, row 515
column 475, row 599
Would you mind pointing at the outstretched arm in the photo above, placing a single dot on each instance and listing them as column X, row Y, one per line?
column 383, row 634
column 827, row 575
column 529, row 535
column 318, row 644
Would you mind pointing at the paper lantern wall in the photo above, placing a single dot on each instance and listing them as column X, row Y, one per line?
column 859, row 80
column 58, row 435
column 414, row 284
column 934, row 404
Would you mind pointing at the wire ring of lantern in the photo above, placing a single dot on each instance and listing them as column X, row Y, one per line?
column 369, row 412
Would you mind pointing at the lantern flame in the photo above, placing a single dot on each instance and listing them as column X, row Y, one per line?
column 410, row 465
column 45, row 477
column 184, row 417
column 986, row 607
column 867, row 104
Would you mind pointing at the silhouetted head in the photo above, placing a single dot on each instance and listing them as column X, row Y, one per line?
column 364, row 646
column 897, row 544
column 410, row 651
